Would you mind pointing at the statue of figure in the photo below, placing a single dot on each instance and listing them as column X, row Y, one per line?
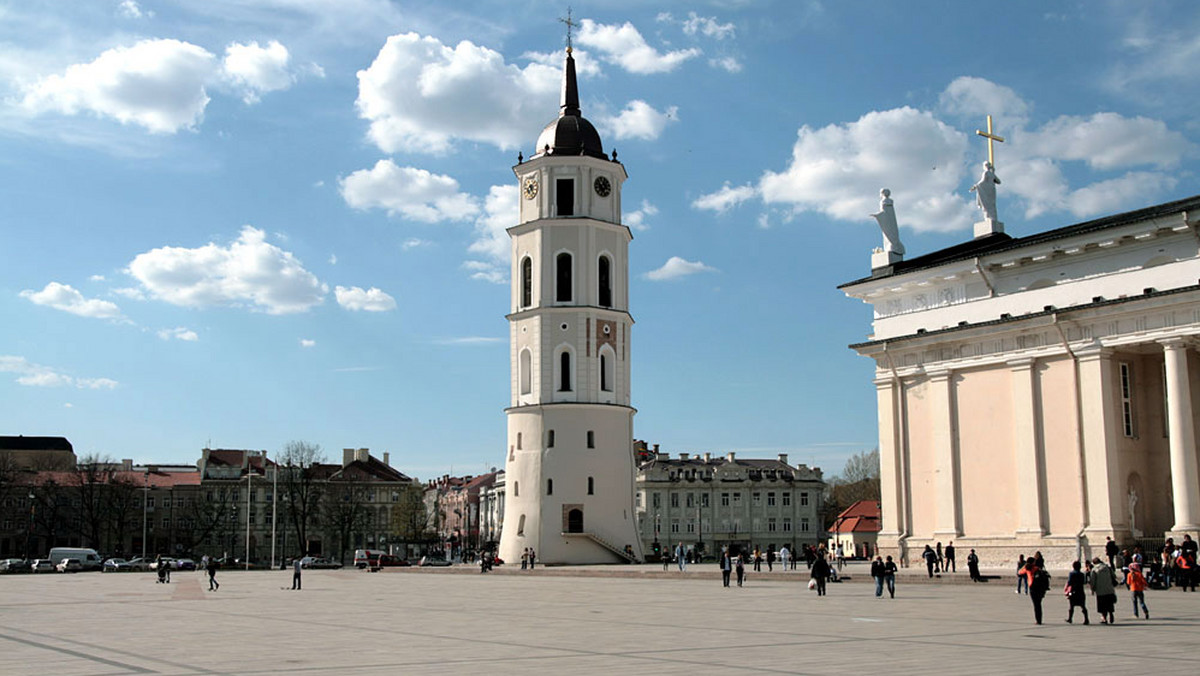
column 985, row 192
column 1133, row 500
column 887, row 223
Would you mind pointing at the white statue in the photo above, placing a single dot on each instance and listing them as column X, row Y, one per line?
column 1133, row 500
column 887, row 223
column 985, row 192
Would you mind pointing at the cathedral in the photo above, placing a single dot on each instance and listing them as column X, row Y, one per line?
column 570, row 465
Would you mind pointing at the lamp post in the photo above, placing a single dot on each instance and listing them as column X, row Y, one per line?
column 656, row 530
column 249, row 492
column 145, row 505
column 29, row 531
column 274, row 503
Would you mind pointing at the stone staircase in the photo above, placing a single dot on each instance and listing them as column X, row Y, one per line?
column 621, row 553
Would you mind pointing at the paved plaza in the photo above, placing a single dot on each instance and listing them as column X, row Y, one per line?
column 592, row 620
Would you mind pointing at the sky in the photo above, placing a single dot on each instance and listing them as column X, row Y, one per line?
column 237, row 223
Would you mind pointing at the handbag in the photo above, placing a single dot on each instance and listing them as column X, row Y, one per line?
column 812, row 584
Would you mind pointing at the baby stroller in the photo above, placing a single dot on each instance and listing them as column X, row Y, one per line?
column 161, row 569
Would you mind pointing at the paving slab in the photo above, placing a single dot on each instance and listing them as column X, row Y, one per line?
column 576, row 620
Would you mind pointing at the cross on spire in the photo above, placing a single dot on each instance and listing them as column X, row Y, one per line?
column 570, row 24
column 990, row 137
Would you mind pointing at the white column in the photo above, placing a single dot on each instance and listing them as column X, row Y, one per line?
column 1185, row 480
column 945, row 481
column 893, row 488
column 1028, row 456
column 1100, row 410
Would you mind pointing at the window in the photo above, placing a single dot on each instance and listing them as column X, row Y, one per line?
column 518, row 441
column 562, row 266
column 787, row 499
column 268, row 519
column 564, row 371
column 674, row 526
column 591, row 439
column 737, row 499
column 787, row 525
column 550, row 439
column 803, row 499
column 804, row 524
column 674, row 499
column 565, row 196
column 526, row 282
column 691, row 500
column 704, row 499
column 549, row 486
column 724, row 499
column 639, row 499
column 605, row 373
column 770, row 525
column 657, row 499
column 691, row 526
column 517, row 494
column 179, row 502
column 592, row 486
column 166, row 522
column 1127, row 399
column 770, row 499
column 526, row 375
column 756, row 498
column 604, row 281
column 521, row 525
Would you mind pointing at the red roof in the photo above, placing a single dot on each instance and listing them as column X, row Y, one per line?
column 861, row 517
column 139, row 479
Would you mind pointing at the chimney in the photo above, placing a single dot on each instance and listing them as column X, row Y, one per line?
column 362, row 455
column 126, row 465
column 656, row 449
column 385, row 459
column 707, row 457
column 684, row 456
column 347, row 456
column 729, row 456
column 783, row 458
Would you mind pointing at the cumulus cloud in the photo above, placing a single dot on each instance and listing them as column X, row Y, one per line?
column 256, row 70
column 492, row 243
column 131, row 10
column 306, row 342
column 485, row 271
column 1109, row 141
column 975, row 97
column 726, row 63
column 249, row 272
column 640, row 120
column 420, row 95
column 413, row 243
column 708, row 26
column 636, row 219
column 158, row 84
column 677, row 268
column 64, row 297
column 369, row 300
column 625, row 47
column 179, row 333
column 726, row 198
column 36, row 375
column 407, row 191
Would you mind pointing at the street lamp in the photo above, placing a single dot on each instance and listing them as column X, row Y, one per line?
column 145, row 504
column 29, row 531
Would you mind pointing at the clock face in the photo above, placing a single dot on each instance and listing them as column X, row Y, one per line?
column 602, row 186
column 531, row 188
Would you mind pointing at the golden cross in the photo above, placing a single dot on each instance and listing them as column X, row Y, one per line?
column 570, row 24
column 990, row 137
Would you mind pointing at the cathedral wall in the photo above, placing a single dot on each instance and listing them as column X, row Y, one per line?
column 986, row 451
column 1058, row 418
column 920, row 433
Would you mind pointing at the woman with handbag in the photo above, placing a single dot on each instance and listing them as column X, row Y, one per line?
column 1076, row 591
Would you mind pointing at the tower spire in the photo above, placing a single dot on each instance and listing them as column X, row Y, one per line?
column 570, row 91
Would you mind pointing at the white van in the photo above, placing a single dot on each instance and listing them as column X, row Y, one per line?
column 88, row 558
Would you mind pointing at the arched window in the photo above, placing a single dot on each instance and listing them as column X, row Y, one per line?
column 575, row 521
column 518, row 441
column 591, row 439
column 526, row 374
column 517, row 494
column 604, row 281
column 606, row 369
column 549, row 486
column 550, row 439
column 562, row 268
column 526, row 282
column 564, row 371
column 521, row 525
column 591, row 486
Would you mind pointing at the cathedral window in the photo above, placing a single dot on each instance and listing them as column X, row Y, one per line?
column 526, row 282
column 526, row 374
column 521, row 526
column 563, row 277
column 606, row 369
column 591, row 486
column 517, row 494
column 564, row 196
column 549, row 486
column 564, row 371
column 518, row 441
column 550, row 439
column 591, row 439
column 1127, row 399
column 604, row 281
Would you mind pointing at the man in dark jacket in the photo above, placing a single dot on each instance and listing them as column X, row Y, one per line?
column 820, row 573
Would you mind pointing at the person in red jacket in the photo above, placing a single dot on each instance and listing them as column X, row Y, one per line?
column 1137, row 584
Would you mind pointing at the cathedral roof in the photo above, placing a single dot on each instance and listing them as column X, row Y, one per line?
column 571, row 133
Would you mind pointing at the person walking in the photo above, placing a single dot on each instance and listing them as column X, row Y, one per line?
column 784, row 555
column 1104, row 585
column 532, row 558
column 877, row 573
column 1137, row 588
column 757, row 559
column 1039, row 583
column 726, row 567
column 296, row 574
column 680, row 557
column 930, row 559
column 1076, row 591
column 889, row 576
column 820, row 573
column 741, row 569
column 525, row 560
column 951, row 566
column 211, row 566
column 973, row 566
column 841, row 556
column 1110, row 550
column 1022, row 581
column 770, row 559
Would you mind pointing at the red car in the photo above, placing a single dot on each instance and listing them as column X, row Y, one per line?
column 387, row 560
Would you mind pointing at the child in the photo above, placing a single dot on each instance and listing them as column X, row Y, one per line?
column 1137, row 584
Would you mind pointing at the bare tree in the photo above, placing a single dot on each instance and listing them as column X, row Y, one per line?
column 344, row 512
column 411, row 519
column 301, row 487
column 859, row 480
column 90, row 481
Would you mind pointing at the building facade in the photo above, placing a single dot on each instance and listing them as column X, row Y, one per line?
column 570, row 466
column 1038, row 393
column 709, row 502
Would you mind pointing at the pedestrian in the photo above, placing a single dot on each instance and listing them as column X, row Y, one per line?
column 680, row 558
column 1039, row 583
column 770, row 559
column 726, row 566
column 841, row 556
column 784, row 555
column 211, row 566
column 532, row 558
column 973, row 567
column 820, row 572
column 757, row 559
column 1022, row 581
column 741, row 570
column 1104, row 586
column 1076, row 591
column 930, row 559
column 877, row 573
column 951, row 566
column 1137, row 587
column 666, row 557
column 1185, row 568
column 296, row 574
column 1110, row 550
column 940, row 560
column 889, row 576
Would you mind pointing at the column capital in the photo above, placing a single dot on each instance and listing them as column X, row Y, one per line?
column 939, row 375
column 1021, row 364
column 1094, row 352
column 1177, row 342
column 886, row 382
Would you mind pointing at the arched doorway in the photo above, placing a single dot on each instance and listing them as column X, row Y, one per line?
column 575, row 521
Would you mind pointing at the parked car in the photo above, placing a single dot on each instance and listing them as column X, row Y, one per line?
column 69, row 566
column 184, row 564
column 137, row 564
column 166, row 561
column 388, row 560
column 42, row 566
column 430, row 560
column 14, row 566
column 363, row 557
column 113, row 565
column 88, row 558
column 317, row 563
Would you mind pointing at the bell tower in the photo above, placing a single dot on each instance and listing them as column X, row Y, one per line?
column 570, row 465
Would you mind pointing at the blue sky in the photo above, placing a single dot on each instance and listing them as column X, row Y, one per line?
column 237, row 223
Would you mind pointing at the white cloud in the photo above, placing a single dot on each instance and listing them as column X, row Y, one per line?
column 414, row 243
column 624, row 46
column 975, row 98
column 130, row 10
column 306, row 342
column 491, row 235
column 247, row 272
column 256, row 70
column 727, row 63
column 640, row 120
column 409, row 192
column 486, row 271
column 1159, row 60
column 179, row 333
column 708, row 27
column 726, row 198
column 421, row 96
column 1109, row 141
column 157, row 84
column 636, row 219
column 677, row 268
column 36, row 375
column 96, row 278
column 369, row 300
column 66, row 298
column 333, row 259
column 130, row 293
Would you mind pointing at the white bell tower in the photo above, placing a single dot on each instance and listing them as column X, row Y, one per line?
column 570, row 468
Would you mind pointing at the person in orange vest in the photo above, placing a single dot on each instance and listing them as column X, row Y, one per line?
column 1137, row 585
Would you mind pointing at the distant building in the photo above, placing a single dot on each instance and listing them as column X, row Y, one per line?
column 708, row 502
column 37, row 453
column 856, row 529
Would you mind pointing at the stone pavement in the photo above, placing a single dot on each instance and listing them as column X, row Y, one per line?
column 586, row 620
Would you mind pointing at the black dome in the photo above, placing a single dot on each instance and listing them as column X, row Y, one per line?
column 571, row 133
